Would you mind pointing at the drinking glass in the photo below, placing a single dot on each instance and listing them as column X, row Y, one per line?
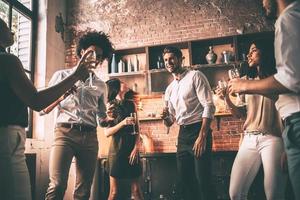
column 91, row 58
column 222, row 84
column 235, row 73
column 165, row 106
column 135, row 123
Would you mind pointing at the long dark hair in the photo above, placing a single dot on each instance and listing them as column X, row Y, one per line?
column 113, row 87
column 267, row 66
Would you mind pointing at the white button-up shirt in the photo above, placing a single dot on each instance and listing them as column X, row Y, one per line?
column 287, row 54
column 85, row 105
column 190, row 98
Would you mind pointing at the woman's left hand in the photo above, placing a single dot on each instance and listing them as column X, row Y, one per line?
column 134, row 156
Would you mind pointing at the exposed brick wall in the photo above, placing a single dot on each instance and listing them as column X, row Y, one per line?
column 227, row 138
column 133, row 23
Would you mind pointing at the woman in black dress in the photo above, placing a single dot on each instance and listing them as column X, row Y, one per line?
column 123, row 156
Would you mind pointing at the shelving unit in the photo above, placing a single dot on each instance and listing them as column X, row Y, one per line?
column 149, row 118
column 150, row 80
column 141, row 73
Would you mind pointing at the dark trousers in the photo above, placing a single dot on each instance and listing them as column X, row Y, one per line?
column 291, row 138
column 194, row 173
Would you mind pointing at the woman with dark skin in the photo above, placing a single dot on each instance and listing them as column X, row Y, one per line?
column 261, row 142
column 17, row 94
column 123, row 152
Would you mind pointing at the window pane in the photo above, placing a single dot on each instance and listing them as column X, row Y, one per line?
column 4, row 11
column 21, row 26
column 26, row 3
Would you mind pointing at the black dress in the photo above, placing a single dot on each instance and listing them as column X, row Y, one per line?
column 122, row 143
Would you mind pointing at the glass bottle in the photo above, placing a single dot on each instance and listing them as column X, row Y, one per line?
column 136, row 64
column 120, row 66
column 113, row 64
column 160, row 63
column 129, row 65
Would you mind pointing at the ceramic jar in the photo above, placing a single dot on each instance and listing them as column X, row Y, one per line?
column 211, row 57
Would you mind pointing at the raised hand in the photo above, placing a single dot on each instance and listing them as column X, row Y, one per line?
column 83, row 66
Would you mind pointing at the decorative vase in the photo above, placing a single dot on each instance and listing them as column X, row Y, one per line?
column 113, row 64
column 211, row 57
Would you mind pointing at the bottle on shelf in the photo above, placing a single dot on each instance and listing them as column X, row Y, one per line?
column 120, row 66
column 113, row 64
column 160, row 63
column 134, row 87
column 136, row 63
column 123, row 66
column 129, row 67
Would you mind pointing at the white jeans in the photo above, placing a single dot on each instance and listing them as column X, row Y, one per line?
column 254, row 151
column 14, row 176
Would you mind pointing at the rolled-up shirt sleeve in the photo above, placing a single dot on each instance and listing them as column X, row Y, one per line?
column 287, row 47
column 102, row 101
column 204, row 94
column 167, row 99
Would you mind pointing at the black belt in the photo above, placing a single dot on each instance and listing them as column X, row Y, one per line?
column 288, row 120
column 190, row 125
column 80, row 127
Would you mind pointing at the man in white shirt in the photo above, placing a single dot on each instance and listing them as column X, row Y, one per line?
column 77, row 119
column 286, row 82
column 190, row 104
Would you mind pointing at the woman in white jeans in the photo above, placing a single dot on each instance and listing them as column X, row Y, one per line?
column 261, row 142
column 18, row 93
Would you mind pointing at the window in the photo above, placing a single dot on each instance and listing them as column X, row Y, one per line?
column 20, row 15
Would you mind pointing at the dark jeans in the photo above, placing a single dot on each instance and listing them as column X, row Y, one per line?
column 194, row 173
column 291, row 138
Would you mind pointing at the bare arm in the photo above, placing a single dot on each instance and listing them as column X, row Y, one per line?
column 55, row 103
column 134, row 155
column 236, row 111
column 114, row 129
column 26, row 91
column 266, row 87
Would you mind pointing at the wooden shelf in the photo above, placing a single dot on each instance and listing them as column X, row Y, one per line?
column 223, row 114
column 141, row 73
column 157, row 70
column 222, row 65
column 151, row 80
column 150, row 118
